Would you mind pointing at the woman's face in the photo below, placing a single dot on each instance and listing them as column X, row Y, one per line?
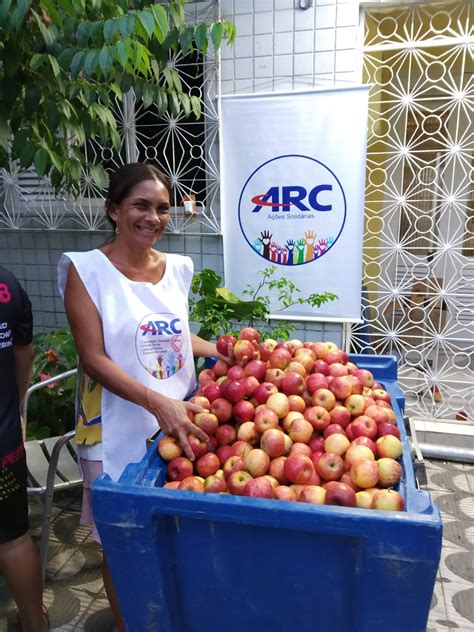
column 142, row 217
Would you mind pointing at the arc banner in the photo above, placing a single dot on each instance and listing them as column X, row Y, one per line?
column 292, row 194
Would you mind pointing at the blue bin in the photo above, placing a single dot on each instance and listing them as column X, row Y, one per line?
column 195, row 562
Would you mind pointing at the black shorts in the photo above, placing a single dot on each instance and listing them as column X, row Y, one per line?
column 13, row 501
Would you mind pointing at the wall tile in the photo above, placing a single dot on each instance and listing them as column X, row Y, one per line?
column 283, row 21
column 227, row 69
column 304, row 42
column 325, row 17
column 346, row 37
column 304, row 20
column 244, row 24
column 345, row 60
column 244, row 68
column 324, row 39
column 283, row 66
column 243, row 6
column 244, row 46
column 263, row 67
column 284, row 4
column 263, row 5
column 263, row 45
column 263, row 22
column 283, row 43
column 304, row 64
column 323, row 63
column 347, row 14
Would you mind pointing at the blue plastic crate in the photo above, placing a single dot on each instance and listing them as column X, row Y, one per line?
column 196, row 562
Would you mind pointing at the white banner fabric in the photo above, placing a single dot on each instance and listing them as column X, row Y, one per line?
column 292, row 194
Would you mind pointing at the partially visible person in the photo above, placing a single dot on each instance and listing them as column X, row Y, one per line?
column 127, row 305
column 19, row 561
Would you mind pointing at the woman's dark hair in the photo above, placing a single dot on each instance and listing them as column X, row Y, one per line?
column 126, row 178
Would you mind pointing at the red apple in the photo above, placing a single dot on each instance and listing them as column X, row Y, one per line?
column 273, row 442
column 355, row 404
column 320, row 366
column 282, row 492
column 293, row 383
column 206, row 376
column 388, row 429
column 207, row 422
column 223, row 343
column 378, row 414
column 172, row 485
column 298, row 468
column 259, row 487
column 233, row 464
column 233, row 391
column 237, row 481
column 297, row 403
column 236, row 372
column 364, row 426
column 365, row 473
column 220, row 368
column 257, row 462
column 179, row 468
column 316, row 443
column 341, row 386
column 248, row 432
column 356, row 386
column 315, row 381
column 226, row 434
column 337, row 369
column 198, row 446
column 192, row 484
column 358, row 453
column 240, row 448
column 215, row 484
column 169, row 448
column 323, row 397
column 200, row 400
column 336, row 444
column 363, row 499
column 340, row 415
column 208, row 464
column 390, row 472
column 243, row 411
column 279, row 358
column 211, row 391
column 318, row 417
column 389, row 446
column 330, row 466
column 265, row 348
column 249, row 333
column 388, row 500
column 264, row 419
column 274, row 376
column 279, row 403
column 222, row 409
column 365, row 441
column 333, row 429
column 302, row 448
column 346, row 478
column 296, row 367
column 314, row 494
column 276, row 469
column 380, row 394
column 257, row 369
column 365, row 377
column 301, row 430
column 264, row 390
column 243, row 351
column 339, row 494
column 224, row 452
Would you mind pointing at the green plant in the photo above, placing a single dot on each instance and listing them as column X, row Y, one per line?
column 218, row 311
column 63, row 62
column 51, row 409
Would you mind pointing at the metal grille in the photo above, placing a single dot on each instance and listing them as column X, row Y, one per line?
column 418, row 265
column 184, row 149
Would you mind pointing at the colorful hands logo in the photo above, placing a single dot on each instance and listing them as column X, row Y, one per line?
column 292, row 224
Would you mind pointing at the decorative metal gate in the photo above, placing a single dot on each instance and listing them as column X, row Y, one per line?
column 419, row 241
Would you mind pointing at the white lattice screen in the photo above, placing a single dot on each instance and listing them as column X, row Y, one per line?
column 418, row 265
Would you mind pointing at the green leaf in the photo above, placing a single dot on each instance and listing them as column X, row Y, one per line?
column 162, row 24
column 217, row 30
column 98, row 175
column 53, row 62
column 105, row 60
column 176, row 80
column 186, row 103
column 186, row 39
column 18, row 15
column 77, row 62
column 168, row 76
column 147, row 21
column 4, row 132
column 173, row 103
column 196, row 105
column 41, row 161
column 123, row 49
column 227, row 295
column 4, row 10
column 110, row 30
column 177, row 12
column 19, row 140
column 148, row 95
column 126, row 25
column 52, row 12
column 36, row 61
column 46, row 33
column 68, row 6
column 27, row 154
column 116, row 90
column 200, row 37
column 90, row 62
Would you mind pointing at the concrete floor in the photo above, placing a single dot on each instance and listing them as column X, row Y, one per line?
column 77, row 603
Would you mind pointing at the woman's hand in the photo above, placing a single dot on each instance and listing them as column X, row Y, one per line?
column 172, row 415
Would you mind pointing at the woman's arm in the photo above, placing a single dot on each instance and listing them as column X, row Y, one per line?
column 86, row 327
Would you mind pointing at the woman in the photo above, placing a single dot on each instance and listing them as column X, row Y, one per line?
column 127, row 307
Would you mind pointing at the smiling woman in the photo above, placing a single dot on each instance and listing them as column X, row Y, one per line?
column 127, row 305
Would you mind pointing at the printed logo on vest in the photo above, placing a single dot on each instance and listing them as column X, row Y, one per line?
column 161, row 345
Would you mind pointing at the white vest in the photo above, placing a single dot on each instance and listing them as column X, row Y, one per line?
column 146, row 333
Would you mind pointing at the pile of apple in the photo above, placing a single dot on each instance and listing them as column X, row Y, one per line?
column 293, row 421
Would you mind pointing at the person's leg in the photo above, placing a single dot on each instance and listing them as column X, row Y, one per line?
column 19, row 562
column 112, row 597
